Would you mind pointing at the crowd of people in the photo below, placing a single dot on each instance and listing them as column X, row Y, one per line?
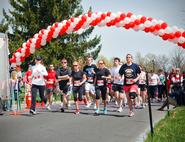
column 125, row 84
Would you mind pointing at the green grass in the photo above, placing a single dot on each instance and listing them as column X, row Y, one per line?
column 171, row 128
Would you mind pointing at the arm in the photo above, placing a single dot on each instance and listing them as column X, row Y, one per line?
column 84, row 79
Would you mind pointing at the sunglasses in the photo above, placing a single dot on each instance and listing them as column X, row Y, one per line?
column 128, row 57
column 64, row 62
column 101, row 63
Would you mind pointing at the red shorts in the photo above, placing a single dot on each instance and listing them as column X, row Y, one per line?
column 130, row 88
column 109, row 86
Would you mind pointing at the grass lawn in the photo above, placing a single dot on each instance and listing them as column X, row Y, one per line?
column 171, row 128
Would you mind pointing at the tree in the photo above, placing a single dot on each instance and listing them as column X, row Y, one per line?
column 28, row 17
column 177, row 58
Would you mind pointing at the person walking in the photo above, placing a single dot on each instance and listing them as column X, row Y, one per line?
column 38, row 83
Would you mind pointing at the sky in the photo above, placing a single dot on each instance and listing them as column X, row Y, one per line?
column 117, row 42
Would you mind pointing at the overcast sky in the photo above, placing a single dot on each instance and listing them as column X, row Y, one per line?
column 119, row 41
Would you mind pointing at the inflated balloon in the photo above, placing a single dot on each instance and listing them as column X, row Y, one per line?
column 125, row 20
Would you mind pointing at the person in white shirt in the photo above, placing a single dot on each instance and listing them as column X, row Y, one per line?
column 153, row 85
column 38, row 83
column 117, row 86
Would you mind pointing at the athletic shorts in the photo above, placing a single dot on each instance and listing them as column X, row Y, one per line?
column 132, row 88
column 64, row 89
column 142, row 87
column 89, row 87
column 49, row 90
column 117, row 87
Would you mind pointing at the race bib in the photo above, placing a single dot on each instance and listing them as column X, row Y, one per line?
column 77, row 83
column 100, row 82
column 129, row 81
column 141, row 82
column 90, row 79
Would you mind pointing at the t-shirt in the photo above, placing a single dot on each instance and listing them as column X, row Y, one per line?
column 77, row 77
column 51, row 79
column 117, row 79
column 62, row 72
column 89, row 72
column 153, row 79
column 130, row 72
column 38, row 73
column 101, row 72
column 161, row 79
column 142, row 78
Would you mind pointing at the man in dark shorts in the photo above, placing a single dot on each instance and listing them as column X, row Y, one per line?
column 63, row 75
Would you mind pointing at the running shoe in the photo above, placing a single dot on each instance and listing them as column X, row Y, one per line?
column 97, row 111
column 88, row 105
column 62, row 109
column 48, row 107
column 94, row 106
column 120, row 109
column 33, row 112
column 77, row 111
column 105, row 111
column 131, row 113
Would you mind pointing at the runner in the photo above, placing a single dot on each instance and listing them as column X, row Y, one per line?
column 50, row 85
column 142, row 87
column 38, row 83
column 131, row 72
column 78, row 81
column 161, row 85
column 117, row 86
column 63, row 75
column 90, row 70
column 153, row 80
column 102, row 75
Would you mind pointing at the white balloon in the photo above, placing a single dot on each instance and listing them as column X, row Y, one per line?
column 23, row 50
column 24, row 45
column 126, row 20
column 18, row 63
column 48, row 28
column 181, row 40
column 17, row 54
column 133, row 18
column 147, row 24
column 43, row 42
column 154, row 22
column 18, row 59
column 36, row 36
column 168, row 30
column 22, row 54
column 32, row 50
column 175, row 28
column 139, row 16
column 161, row 32
column 112, row 16
column 141, row 27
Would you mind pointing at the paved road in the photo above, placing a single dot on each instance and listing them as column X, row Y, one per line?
column 68, row 127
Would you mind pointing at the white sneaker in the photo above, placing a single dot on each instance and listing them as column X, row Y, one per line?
column 48, row 107
column 95, row 106
column 88, row 105
column 120, row 109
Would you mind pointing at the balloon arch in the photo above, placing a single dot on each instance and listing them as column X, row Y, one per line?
column 126, row 20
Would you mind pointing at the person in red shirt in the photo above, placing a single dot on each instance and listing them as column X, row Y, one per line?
column 50, row 84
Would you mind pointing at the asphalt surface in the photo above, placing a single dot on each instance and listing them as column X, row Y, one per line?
column 67, row 127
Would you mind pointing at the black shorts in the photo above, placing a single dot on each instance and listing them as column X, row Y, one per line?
column 64, row 89
column 117, row 87
column 142, row 87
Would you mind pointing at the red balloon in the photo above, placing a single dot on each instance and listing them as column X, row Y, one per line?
column 28, row 44
column 117, row 20
column 40, row 36
column 171, row 36
column 127, row 26
column 183, row 45
column 147, row 30
column 108, row 13
column 12, row 60
column 165, row 36
column 84, row 18
column 42, row 31
column 152, row 29
column 131, row 24
column 30, row 40
column 19, row 50
column 22, row 59
column 56, row 25
column 103, row 15
column 122, row 16
column 150, row 18
column 137, row 21
column 89, row 14
column 129, row 14
column 157, row 27
column 177, row 34
column 179, row 44
column 183, row 34
column 164, row 25
column 37, row 44
column 143, row 19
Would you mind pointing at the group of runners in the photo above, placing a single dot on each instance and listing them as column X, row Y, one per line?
column 123, row 83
